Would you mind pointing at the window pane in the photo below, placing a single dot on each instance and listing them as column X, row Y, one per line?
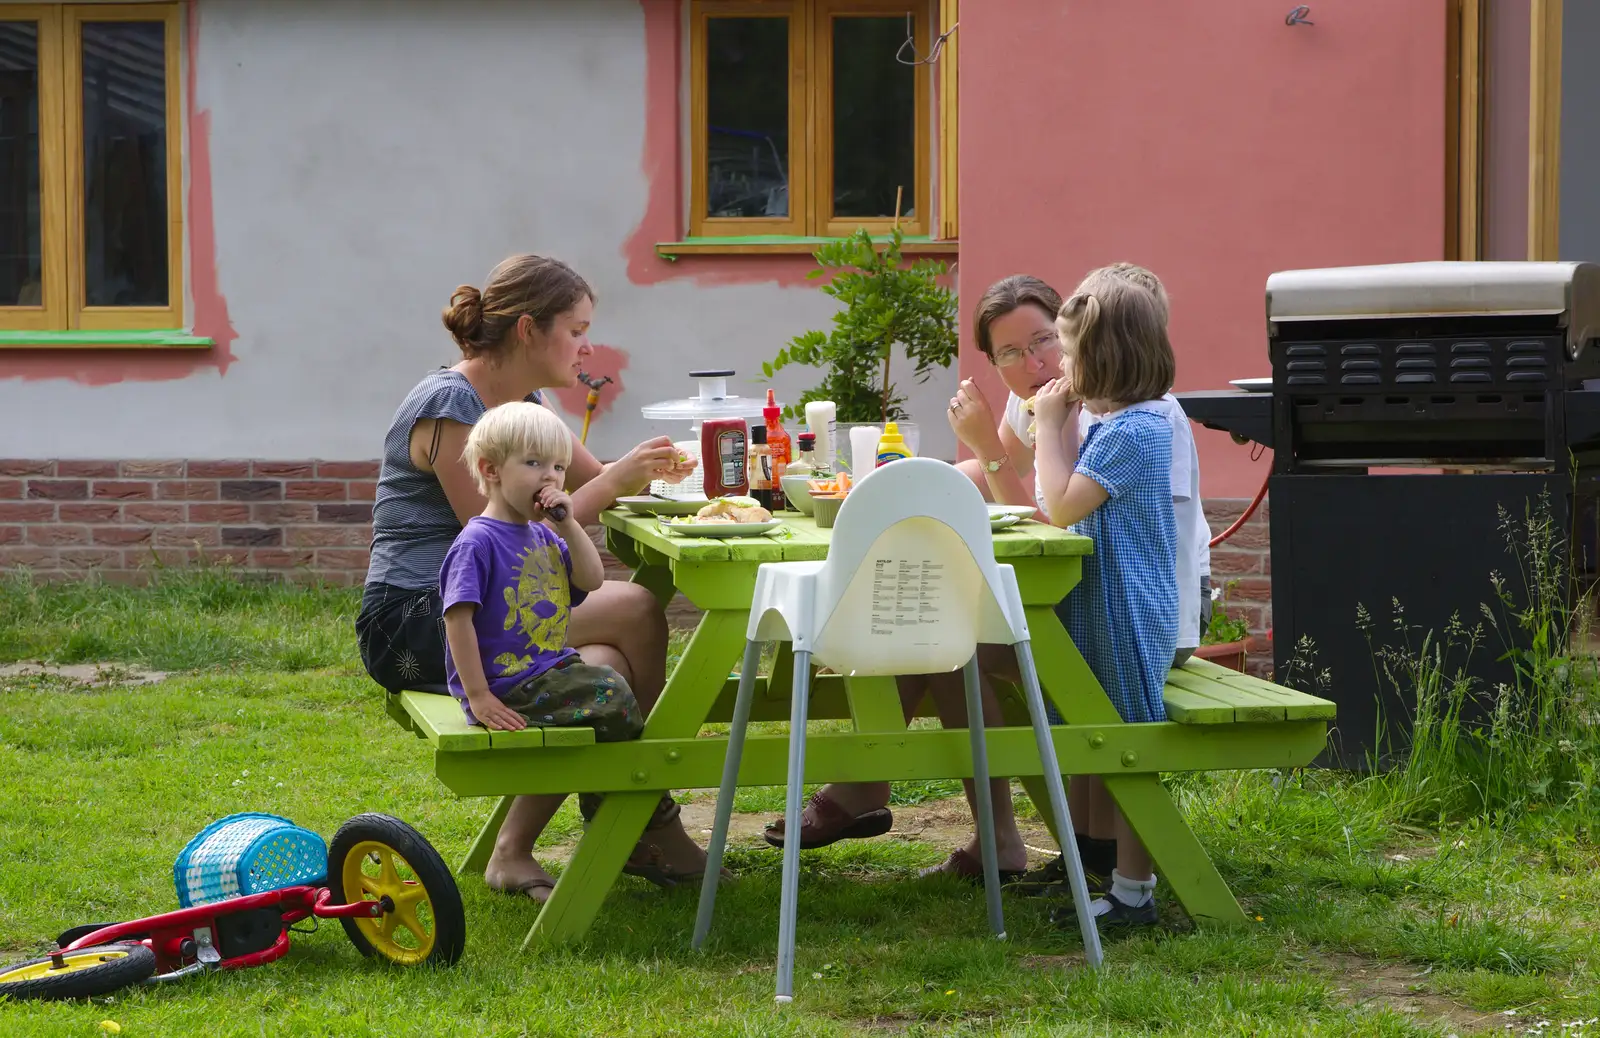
column 874, row 118
column 20, row 262
column 125, row 163
column 747, row 117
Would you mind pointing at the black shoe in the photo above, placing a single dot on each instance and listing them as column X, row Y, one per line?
column 1121, row 917
column 1050, row 880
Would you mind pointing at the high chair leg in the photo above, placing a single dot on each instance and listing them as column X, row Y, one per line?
column 1058, row 803
column 730, row 779
column 791, row 826
column 980, row 786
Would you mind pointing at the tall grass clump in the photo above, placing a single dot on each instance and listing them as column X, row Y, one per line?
column 1532, row 741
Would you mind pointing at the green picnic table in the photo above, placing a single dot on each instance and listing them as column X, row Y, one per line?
column 1218, row 720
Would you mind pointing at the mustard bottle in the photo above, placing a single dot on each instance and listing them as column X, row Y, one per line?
column 891, row 445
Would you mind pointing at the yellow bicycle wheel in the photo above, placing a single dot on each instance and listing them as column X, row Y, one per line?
column 375, row 857
column 79, row 974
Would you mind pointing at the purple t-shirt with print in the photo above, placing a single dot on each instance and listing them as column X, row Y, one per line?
column 519, row 575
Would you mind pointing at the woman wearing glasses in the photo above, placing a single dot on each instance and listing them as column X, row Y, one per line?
column 1016, row 329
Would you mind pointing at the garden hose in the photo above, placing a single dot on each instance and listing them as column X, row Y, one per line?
column 1248, row 512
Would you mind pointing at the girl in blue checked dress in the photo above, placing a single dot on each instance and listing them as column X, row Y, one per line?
column 1123, row 615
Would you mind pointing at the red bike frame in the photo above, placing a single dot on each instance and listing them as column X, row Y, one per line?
column 167, row 934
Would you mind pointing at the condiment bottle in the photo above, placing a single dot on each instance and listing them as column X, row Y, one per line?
column 760, row 467
column 891, row 445
column 778, row 444
column 806, row 463
column 722, row 457
column 821, row 421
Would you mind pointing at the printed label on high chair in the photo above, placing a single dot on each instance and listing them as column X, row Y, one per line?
column 905, row 593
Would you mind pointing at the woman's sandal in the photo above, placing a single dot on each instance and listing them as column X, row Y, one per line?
column 829, row 823
column 663, row 875
column 962, row 863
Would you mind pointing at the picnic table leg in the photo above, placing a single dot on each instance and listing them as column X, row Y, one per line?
column 595, row 865
column 1078, row 697
column 610, row 837
column 477, row 858
column 1178, row 855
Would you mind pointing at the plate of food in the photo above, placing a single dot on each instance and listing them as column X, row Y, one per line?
column 723, row 517
column 649, row 504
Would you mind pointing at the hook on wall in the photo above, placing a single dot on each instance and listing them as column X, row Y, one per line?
column 1298, row 16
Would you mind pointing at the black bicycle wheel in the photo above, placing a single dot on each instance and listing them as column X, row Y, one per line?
column 375, row 857
column 79, row 974
column 77, row 932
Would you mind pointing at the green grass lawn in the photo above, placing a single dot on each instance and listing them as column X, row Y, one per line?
column 1362, row 925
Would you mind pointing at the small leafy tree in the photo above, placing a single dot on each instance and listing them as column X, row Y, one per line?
column 884, row 304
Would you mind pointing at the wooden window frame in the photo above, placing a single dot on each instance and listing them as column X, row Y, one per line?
column 1464, row 136
column 1544, row 131
column 61, row 172
column 810, row 159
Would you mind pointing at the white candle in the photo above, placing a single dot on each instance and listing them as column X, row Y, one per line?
column 864, row 449
column 821, row 418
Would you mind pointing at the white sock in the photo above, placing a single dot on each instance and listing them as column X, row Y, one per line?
column 1132, row 893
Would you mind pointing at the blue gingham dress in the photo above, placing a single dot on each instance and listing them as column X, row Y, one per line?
column 1123, row 615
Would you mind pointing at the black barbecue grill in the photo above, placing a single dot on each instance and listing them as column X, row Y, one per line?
column 1409, row 404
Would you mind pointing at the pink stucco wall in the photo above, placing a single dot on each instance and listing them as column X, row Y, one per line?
column 1210, row 142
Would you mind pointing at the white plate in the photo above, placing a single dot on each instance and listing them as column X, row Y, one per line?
column 1000, row 522
column 1252, row 385
column 651, row 505
column 719, row 529
column 1020, row 511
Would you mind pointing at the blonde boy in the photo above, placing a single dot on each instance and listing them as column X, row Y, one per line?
column 509, row 583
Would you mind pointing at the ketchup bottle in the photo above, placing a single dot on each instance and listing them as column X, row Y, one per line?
column 723, row 453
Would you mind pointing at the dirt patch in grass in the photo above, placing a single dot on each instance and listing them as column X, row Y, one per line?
column 942, row 824
column 72, row 677
column 1401, row 987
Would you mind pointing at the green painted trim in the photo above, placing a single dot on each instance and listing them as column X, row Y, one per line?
column 167, row 338
column 798, row 244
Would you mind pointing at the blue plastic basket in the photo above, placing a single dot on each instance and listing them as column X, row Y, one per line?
column 248, row 854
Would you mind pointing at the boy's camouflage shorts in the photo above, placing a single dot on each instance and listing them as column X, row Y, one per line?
column 577, row 695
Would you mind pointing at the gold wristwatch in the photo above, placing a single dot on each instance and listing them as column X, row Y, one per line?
column 994, row 466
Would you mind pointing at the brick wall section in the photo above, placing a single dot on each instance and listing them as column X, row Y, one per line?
column 1244, row 561
column 123, row 519
column 313, row 520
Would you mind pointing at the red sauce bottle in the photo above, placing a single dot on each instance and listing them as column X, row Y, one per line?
column 778, row 444
column 723, row 453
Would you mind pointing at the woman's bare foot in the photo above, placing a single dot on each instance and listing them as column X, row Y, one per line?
column 519, row 875
column 1011, row 855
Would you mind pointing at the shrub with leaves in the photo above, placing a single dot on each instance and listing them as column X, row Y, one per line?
column 885, row 304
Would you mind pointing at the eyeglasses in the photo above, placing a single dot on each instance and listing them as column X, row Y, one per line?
column 1043, row 345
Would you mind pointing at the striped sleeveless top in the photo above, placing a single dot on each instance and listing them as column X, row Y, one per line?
column 413, row 524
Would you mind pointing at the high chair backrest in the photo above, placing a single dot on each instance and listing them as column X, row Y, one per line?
column 910, row 585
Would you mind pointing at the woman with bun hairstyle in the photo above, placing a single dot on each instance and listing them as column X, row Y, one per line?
column 524, row 331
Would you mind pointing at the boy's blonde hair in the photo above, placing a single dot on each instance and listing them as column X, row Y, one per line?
column 1116, row 334
column 520, row 427
column 1141, row 276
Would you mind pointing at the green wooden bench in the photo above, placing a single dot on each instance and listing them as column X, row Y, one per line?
column 1243, row 722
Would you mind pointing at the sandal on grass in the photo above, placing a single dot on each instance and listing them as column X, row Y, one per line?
column 664, row 875
column 537, row 889
column 968, row 866
column 824, row 822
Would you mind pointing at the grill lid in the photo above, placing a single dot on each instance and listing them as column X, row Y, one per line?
column 1441, row 288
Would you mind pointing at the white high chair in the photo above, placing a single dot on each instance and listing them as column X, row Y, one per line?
column 910, row 586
